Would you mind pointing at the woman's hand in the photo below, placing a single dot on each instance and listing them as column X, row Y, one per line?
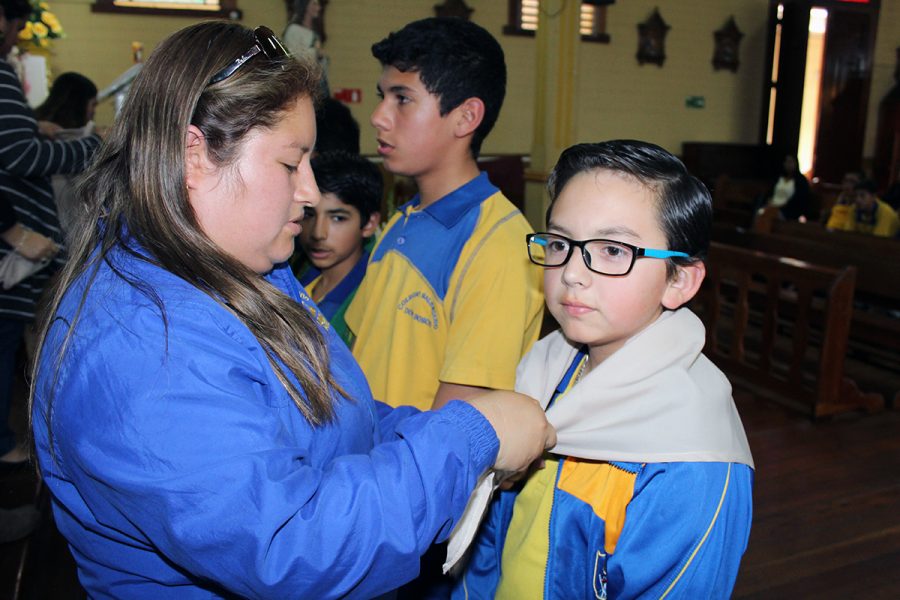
column 48, row 129
column 521, row 426
column 29, row 243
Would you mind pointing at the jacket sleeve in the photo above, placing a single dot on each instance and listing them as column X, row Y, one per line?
column 23, row 151
column 389, row 418
column 685, row 531
column 194, row 462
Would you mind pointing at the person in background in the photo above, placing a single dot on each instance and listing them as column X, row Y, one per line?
column 336, row 231
column 790, row 192
column 26, row 242
column 301, row 39
column 69, row 108
column 71, row 102
column 27, row 160
column 17, row 523
column 35, row 247
column 844, row 196
column 203, row 433
column 336, row 127
column 448, row 305
column 868, row 214
column 445, row 283
column 648, row 493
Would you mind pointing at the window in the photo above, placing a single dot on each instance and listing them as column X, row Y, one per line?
column 195, row 8
column 523, row 19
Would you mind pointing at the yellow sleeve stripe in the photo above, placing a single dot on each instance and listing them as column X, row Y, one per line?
column 705, row 535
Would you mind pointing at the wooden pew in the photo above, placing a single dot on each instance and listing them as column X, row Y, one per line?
column 782, row 325
column 734, row 199
column 874, row 332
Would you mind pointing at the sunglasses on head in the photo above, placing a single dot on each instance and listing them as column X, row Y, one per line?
column 266, row 42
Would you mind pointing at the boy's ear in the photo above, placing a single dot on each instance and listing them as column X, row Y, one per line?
column 196, row 159
column 684, row 285
column 369, row 227
column 469, row 115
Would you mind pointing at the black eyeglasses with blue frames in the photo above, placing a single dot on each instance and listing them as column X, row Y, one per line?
column 266, row 42
column 606, row 257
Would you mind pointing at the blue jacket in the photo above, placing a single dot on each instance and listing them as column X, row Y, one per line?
column 181, row 467
column 673, row 530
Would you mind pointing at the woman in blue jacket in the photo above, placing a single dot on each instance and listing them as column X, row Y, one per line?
column 202, row 432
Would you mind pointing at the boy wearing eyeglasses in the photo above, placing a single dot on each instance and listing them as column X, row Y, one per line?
column 648, row 491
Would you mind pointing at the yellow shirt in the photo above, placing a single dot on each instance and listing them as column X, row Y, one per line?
column 449, row 295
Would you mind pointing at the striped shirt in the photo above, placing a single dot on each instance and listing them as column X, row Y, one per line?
column 27, row 160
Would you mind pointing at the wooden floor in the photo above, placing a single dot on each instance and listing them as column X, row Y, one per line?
column 826, row 515
column 826, row 506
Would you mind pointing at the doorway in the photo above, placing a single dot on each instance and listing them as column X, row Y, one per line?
column 820, row 71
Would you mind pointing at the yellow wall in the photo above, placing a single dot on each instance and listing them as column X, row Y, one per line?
column 98, row 45
column 617, row 97
column 887, row 41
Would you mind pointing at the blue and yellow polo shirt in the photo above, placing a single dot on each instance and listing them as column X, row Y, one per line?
column 449, row 295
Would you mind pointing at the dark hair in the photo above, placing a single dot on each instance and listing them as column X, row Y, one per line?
column 456, row 60
column 137, row 200
column 297, row 10
column 15, row 9
column 67, row 103
column 685, row 206
column 336, row 127
column 867, row 185
column 354, row 179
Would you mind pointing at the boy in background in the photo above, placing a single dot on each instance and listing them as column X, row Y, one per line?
column 648, row 493
column 336, row 231
column 866, row 214
column 449, row 303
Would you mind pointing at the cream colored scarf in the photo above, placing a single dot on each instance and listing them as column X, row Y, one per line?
column 657, row 399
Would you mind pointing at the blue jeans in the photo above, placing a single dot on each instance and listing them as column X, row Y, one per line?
column 11, row 332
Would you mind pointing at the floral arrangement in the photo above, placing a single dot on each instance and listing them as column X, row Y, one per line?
column 41, row 27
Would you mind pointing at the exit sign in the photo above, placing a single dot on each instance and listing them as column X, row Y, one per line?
column 695, row 102
column 348, row 95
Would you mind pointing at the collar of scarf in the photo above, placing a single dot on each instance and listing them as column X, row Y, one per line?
column 657, row 399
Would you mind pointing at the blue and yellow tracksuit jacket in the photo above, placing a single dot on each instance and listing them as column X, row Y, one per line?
column 594, row 529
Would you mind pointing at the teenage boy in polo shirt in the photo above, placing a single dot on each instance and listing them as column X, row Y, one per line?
column 449, row 303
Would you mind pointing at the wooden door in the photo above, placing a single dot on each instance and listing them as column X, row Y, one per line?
column 846, row 79
column 844, row 94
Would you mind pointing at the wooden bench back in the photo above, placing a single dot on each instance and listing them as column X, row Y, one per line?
column 782, row 324
column 876, row 259
column 735, row 199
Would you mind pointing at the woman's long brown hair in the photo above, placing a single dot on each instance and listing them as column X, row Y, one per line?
column 137, row 202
